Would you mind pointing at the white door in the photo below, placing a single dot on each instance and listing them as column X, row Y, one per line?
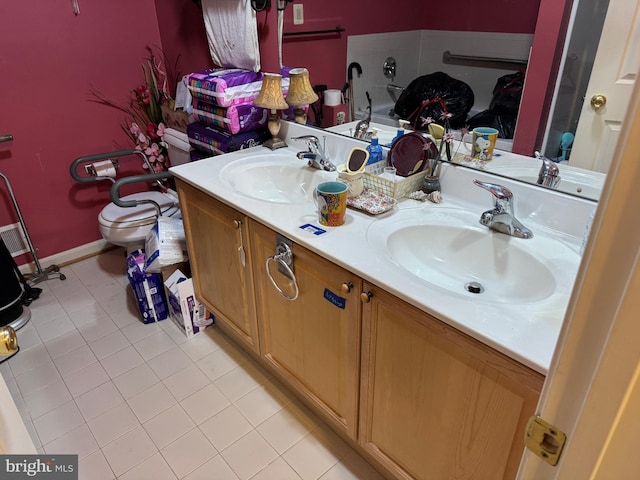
column 592, row 392
column 614, row 73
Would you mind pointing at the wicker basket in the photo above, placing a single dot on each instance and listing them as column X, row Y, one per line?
column 398, row 189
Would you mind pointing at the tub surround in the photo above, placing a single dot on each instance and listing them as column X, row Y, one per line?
column 525, row 332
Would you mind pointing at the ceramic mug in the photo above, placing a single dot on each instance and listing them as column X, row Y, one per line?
column 331, row 201
column 483, row 141
column 354, row 183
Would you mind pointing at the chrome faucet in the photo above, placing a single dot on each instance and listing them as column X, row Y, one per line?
column 501, row 218
column 549, row 174
column 362, row 126
column 316, row 155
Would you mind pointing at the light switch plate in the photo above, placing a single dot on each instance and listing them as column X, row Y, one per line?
column 298, row 14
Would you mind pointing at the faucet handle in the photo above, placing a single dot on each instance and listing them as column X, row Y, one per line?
column 498, row 191
column 308, row 138
column 549, row 174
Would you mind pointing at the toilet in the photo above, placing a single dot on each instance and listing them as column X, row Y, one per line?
column 128, row 227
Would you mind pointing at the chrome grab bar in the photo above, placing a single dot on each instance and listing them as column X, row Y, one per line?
column 449, row 58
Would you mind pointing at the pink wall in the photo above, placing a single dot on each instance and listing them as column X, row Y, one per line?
column 50, row 58
column 541, row 75
column 183, row 35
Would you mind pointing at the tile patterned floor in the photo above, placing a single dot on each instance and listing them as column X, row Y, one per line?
column 139, row 402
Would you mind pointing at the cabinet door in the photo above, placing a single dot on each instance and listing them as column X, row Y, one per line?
column 216, row 235
column 313, row 342
column 435, row 403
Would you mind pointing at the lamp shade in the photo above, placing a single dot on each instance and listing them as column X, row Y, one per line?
column 270, row 95
column 300, row 91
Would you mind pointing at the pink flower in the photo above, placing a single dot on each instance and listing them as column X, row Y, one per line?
column 426, row 121
column 134, row 129
column 446, row 115
column 160, row 131
column 151, row 130
column 449, row 137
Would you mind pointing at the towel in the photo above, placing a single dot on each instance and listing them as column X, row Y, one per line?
column 232, row 33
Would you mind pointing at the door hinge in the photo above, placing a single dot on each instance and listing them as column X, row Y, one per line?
column 544, row 439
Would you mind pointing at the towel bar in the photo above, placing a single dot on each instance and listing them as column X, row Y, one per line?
column 338, row 29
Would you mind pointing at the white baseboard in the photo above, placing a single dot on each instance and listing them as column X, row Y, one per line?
column 69, row 256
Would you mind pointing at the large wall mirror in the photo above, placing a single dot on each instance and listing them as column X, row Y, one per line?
column 566, row 96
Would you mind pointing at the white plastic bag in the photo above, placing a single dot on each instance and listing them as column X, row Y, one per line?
column 165, row 244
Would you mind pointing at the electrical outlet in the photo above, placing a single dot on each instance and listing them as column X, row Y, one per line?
column 298, row 14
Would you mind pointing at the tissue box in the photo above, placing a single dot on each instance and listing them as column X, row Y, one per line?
column 185, row 310
column 230, row 86
column 233, row 119
column 147, row 288
column 165, row 244
column 214, row 141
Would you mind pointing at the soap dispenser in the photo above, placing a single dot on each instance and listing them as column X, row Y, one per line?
column 375, row 151
column 398, row 135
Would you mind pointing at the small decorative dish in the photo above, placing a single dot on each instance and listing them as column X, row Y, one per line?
column 409, row 153
column 372, row 202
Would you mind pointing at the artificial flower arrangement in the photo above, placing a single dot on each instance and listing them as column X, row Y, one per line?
column 144, row 125
column 447, row 137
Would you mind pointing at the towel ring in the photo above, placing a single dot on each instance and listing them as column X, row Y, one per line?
column 284, row 258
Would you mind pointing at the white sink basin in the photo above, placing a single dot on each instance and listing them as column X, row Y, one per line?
column 275, row 178
column 572, row 180
column 450, row 250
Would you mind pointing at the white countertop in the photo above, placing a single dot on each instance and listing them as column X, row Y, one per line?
column 526, row 332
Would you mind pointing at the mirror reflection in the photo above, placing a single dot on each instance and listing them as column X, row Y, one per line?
column 381, row 66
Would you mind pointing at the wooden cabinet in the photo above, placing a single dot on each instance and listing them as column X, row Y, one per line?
column 313, row 342
column 421, row 399
column 219, row 251
column 435, row 403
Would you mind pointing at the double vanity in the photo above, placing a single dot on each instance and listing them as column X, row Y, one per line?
column 420, row 335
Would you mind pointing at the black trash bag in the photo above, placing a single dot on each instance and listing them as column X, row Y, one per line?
column 503, row 109
column 432, row 96
column 14, row 285
column 504, row 123
column 507, row 94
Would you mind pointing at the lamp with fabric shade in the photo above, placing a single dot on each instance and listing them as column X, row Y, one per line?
column 300, row 93
column 270, row 97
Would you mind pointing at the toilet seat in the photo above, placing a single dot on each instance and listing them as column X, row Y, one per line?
column 128, row 225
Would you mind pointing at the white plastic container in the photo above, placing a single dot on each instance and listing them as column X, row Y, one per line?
column 178, row 146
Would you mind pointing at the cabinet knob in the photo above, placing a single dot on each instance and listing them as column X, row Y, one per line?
column 237, row 223
column 366, row 297
column 346, row 287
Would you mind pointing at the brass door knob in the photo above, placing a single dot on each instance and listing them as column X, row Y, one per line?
column 598, row 101
column 237, row 224
column 366, row 297
column 8, row 340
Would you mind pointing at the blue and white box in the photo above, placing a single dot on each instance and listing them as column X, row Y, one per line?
column 184, row 308
column 147, row 288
